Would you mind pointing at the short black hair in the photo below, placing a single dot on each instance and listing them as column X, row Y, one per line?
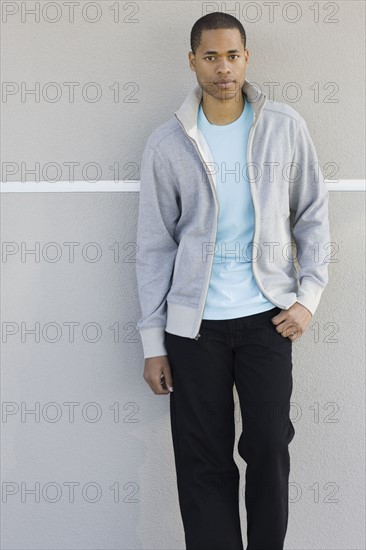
column 215, row 20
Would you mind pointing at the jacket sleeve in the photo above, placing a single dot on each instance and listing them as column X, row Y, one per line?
column 157, row 218
column 309, row 204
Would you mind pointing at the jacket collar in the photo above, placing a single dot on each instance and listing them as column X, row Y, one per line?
column 187, row 112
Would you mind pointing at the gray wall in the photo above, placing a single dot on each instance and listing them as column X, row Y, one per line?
column 116, row 447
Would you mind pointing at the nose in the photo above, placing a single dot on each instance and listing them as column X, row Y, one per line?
column 224, row 67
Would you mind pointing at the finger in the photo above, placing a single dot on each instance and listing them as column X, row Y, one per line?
column 291, row 328
column 294, row 337
column 158, row 385
column 294, row 332
column 278, row 318
column 162, row 386
column 166, row 379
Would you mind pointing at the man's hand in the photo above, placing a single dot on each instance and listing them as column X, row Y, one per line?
column 292, row 322
column 157, row 374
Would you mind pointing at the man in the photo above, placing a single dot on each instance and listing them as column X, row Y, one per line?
column 228, row 191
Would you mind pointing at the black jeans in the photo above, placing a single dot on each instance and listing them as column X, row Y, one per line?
column 250, row 353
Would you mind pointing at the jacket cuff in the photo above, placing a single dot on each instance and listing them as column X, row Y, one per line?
column 309, row 294
column 153, row 341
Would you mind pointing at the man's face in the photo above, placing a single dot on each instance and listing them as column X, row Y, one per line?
column 220, row 56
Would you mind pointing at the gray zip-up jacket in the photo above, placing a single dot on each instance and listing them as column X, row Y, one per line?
column 178, row 212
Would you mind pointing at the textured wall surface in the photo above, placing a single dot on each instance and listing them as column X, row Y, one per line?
column 87, row 459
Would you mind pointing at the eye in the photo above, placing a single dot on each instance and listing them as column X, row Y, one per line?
column 213, row 57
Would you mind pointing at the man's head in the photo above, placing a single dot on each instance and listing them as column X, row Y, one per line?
column 215, row 20
column 218, row 43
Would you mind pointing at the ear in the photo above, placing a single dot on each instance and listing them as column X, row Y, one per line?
column 192, row 61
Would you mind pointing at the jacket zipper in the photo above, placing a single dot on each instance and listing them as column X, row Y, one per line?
column 215, row 231
column 250, row 142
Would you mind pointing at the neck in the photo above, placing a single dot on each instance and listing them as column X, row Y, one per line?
column 221, row 112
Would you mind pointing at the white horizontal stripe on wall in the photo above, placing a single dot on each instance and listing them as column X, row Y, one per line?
column 126, row 186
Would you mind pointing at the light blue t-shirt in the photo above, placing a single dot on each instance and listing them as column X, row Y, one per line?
column 232, row 290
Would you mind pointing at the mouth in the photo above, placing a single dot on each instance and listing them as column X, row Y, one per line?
column 225, row 83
